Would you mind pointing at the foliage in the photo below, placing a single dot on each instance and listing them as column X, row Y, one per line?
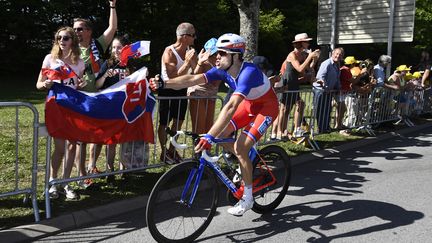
column 271, row 34
column 423, row 28
column 27, row 27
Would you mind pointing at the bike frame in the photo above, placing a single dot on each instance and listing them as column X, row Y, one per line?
column 212, row 163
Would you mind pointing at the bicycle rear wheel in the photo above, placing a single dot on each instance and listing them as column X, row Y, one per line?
column 277, row 163
column 170, row 220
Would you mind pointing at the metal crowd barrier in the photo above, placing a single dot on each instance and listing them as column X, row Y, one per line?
column 138, row 156
column 323, row 111
column 16, row 136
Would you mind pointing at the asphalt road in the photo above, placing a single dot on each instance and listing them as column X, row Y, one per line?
column 377, row 193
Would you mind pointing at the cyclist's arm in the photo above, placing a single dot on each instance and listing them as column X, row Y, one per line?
column 225, row 115
column 184, row 81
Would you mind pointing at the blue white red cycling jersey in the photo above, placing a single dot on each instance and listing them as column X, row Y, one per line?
column 251, row 83
column 260, row 105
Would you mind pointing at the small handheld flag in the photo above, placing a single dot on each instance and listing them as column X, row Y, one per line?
column 135, row 50
column 60, row 73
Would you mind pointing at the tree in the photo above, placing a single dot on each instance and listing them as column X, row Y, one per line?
column 249, row 22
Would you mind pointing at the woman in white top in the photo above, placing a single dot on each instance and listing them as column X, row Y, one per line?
column 64, row 53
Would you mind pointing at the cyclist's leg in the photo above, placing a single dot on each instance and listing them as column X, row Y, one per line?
column 241, row 148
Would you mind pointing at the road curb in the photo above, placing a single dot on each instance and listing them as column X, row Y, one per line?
column 84, row 217
column 70, row 221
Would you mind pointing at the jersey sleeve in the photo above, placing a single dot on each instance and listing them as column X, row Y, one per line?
column 215, row 74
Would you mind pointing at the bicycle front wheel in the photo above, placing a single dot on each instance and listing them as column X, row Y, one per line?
column 272, row 175
column 171, row 220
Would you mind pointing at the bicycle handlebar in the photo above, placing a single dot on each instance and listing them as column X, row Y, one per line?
column 173, row 140
column 183, row 146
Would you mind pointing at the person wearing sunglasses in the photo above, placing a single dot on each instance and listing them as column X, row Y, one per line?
column 253, row 106
column 64, row 53
column 177, row 59
column 92, row 50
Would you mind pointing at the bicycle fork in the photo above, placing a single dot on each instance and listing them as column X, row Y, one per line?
column 197, row 174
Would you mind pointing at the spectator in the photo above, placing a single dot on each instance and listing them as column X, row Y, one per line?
column 202, row 110
column 91, row 51
column 65, row 52
column 346, row 100
column 425, row 62
column 365, row 82
column 346, row 80
column 177, row 59
column 297, row 63
column 425, row 80
column 379, row 69
column 397, row 83
column 110, row 73
column 355, row 69
column 328, row 80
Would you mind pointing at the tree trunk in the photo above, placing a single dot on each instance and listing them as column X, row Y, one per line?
column 249, row 25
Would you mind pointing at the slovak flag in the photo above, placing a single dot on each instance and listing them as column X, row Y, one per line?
column 135, row 50
column 121, row 113
column 60, row 73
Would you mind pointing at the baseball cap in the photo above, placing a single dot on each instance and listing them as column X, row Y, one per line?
column 350, row 60
column 417, row 74
column 403, row 68
column 210, row 46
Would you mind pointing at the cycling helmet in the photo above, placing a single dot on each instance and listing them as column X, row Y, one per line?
column 231, row 43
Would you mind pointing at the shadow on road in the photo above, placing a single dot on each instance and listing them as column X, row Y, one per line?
column 321, row 216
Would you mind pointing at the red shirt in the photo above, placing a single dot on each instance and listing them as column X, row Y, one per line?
column 345, row 77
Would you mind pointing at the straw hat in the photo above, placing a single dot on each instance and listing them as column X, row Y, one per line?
column 301, row 37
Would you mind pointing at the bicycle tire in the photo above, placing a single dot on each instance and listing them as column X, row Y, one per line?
column 278, row 161
column 169, row 220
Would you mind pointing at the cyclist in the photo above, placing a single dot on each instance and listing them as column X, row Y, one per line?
column 253, row 106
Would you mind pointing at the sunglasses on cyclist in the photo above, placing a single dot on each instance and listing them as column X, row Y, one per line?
column 222, row 53
column 63, row 37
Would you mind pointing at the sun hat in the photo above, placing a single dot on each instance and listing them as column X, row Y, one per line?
column 408, row 76
column 350, row 60
column 403, row 68
column 301, row 37
column 417, row 74
column 210, row 46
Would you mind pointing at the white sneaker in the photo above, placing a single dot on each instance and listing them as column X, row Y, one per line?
column 70, row 193
column 53, row 192
column 299, row 132
column 241, row 207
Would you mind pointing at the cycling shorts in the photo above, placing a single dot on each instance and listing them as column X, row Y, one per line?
column 255, row 117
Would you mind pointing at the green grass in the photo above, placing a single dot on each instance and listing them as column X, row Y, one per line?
column 13, row 211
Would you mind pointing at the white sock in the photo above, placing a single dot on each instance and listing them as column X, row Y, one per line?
column 247, row 193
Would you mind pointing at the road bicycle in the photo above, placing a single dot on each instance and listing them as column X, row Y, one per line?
column 184, row 200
